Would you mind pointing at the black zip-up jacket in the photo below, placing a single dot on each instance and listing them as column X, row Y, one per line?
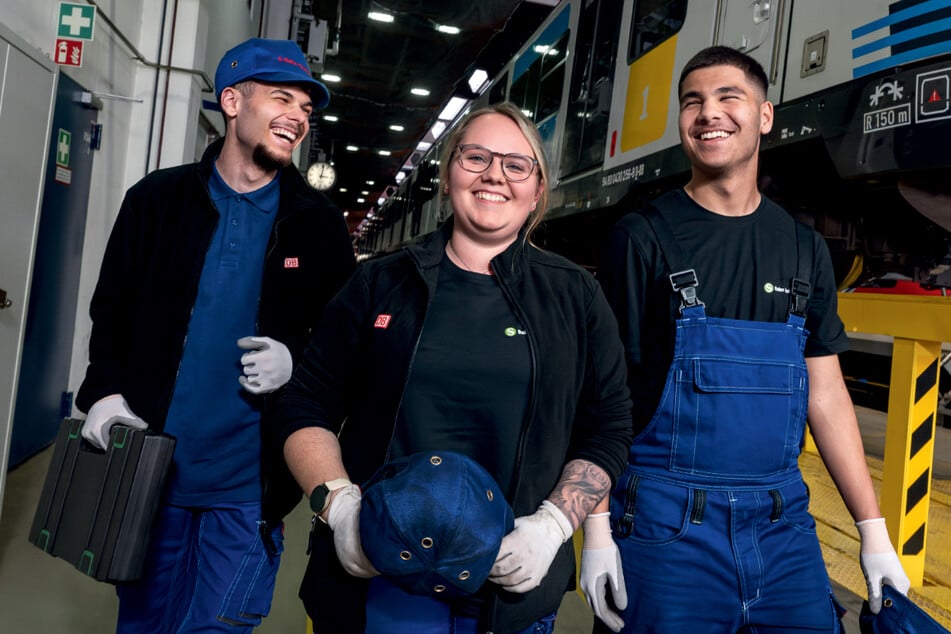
column 148, row 283
column 355, row 369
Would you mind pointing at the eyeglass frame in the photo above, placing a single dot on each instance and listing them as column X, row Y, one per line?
column 500, row 156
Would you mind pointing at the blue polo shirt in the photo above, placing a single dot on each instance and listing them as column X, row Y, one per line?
column 217, row 457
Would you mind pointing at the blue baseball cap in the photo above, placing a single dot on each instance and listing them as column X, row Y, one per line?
column 433, row 523
column 275, row 61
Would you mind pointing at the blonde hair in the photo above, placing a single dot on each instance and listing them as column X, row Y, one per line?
column 529, row 131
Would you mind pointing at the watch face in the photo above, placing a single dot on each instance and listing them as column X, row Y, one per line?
column 318, row 498
column 321, row 175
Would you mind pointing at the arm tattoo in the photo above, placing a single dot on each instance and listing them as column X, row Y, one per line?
column 581, row 487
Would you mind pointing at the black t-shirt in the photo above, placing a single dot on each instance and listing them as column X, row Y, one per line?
column 468, row 387
column 744, row 267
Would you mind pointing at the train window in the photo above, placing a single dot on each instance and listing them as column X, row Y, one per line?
column 653, row 22
column 552, row 78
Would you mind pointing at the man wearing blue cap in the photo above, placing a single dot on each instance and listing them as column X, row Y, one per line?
column 213, row 276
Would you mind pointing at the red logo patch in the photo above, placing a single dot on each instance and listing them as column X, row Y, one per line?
column 382, row 321
column 291, row 263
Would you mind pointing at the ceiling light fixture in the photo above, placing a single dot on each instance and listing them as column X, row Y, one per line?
column 383, row 152
column 330, row 77
column 447, row 29
column 397, row 128
column 371, row 183
column 477, row 80
column 452, row 109
column 420, row 92
column 331, row 117
column 361, row 200
column 352, row 148
column 379, row 16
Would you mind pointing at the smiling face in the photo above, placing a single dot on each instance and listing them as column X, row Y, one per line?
column 722, row 116
column 488, row 208
column 269, row 120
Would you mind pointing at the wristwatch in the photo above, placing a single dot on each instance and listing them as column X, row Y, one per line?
column 320, row 497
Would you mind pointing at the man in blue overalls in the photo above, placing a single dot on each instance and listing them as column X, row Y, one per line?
column 721, row 291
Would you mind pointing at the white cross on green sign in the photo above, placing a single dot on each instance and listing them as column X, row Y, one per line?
column 76, row 21
column 62, row 147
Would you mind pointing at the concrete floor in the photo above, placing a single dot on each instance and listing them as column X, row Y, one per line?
column 40, row 594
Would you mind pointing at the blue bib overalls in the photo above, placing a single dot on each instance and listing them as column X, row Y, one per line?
column 711, row 516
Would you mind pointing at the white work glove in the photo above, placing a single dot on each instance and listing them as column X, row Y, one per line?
column 267, row 367
column 343, row 517
column 105, row 413
column 527, row 552
column 601, row 563
column 880, row 563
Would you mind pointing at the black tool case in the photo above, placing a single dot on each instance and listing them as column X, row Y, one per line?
column 97, row 506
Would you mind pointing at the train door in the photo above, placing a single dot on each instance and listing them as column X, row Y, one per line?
column 589, row 94
column 754, row 28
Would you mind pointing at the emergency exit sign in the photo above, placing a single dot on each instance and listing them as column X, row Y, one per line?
column 76, row 21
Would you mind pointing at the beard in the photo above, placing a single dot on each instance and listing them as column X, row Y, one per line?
column 268, row 161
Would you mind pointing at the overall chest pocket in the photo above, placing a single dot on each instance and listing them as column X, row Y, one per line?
column 737, row 419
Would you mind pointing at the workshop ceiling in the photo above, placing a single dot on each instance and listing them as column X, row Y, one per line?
column 378, row 64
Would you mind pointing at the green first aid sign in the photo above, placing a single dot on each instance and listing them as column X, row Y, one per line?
column 75, row 21
column 63, row 140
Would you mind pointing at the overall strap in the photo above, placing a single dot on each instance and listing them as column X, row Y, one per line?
column 683, row 280
column 800, row 287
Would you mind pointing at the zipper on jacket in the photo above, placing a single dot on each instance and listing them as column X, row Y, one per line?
column 412, row 360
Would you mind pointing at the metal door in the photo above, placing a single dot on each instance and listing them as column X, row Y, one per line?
column 27, row 83
column 41, row 401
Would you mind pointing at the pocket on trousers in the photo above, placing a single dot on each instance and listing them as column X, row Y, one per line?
column 725, row 408
column 249, row 598
column 650, row 512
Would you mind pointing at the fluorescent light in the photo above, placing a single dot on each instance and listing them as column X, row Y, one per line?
column 477, row 79
column 380, row 201
column 400, row 176
column 449, row 30
column 371, row 183
column 330, row 77
column 397, row 128
column 342, row 190
column 437, row 129
column 352, row 148
column 361, row 200
column 383, row 152
column 365, row 193
column 452, row 109
column 346, row 213
column 420, row 92
column 331, row 117
column 379, row 16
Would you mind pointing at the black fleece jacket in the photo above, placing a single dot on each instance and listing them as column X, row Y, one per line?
column 356, row 370
column 148, row 283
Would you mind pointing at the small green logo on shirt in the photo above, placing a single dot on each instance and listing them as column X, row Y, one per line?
column 768, row 287
column 512, row 331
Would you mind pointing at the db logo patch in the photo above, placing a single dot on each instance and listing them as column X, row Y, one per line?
column 291, row 263
column 382, row 321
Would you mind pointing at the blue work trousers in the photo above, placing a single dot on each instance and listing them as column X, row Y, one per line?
column 206, row 571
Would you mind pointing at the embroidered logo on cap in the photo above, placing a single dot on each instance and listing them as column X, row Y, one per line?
column 382, row 321
column 291, row 263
